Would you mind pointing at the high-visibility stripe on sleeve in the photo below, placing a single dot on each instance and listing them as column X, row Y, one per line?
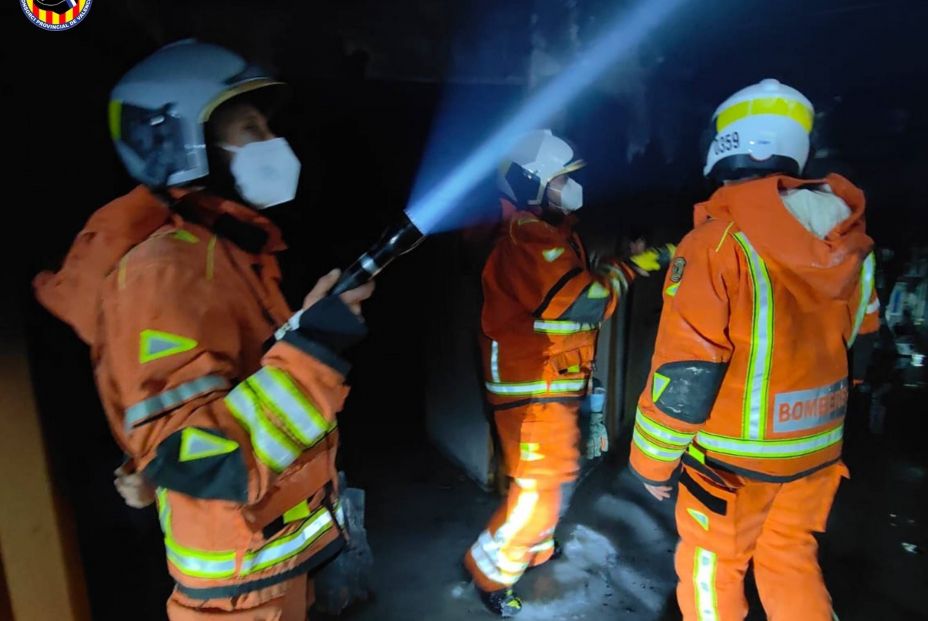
column 866, row 291
column 280, row 393
column 271, row 445
column 173, row 398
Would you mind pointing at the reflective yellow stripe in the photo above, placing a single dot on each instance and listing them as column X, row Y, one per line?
column 662, row 433
column 279, row 392
column 563, row 327
column 211, row 258
column 770, row 448
column 547, row 544
column 300, row 511
column 655, row 450
column 209, row 564
column 704, row 572
column 536, row 388
column 778, row 106
column 529, row 451
column 115, row 117
column 287, row 547
column 866, row 291
column 190, row 561
column 271, row 446
column 754, row 425
column 696, row 454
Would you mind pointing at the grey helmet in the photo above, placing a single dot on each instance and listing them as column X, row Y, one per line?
column 158, row 110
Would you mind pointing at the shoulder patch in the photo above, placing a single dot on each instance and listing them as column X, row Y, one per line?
column 676, row 269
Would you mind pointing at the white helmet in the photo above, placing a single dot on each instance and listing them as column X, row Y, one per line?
column 158, row 109
column 536, row 159
column 763, row 128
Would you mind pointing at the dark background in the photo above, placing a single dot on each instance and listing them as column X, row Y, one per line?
column 372, row 80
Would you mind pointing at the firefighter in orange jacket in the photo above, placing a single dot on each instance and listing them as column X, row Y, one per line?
column 543, row 305
column 176, row 290
column 749, row 381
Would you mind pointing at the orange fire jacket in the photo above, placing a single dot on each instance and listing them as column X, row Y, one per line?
column 750, row 365
column 179, row 307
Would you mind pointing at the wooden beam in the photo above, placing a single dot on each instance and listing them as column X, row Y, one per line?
column 41, row 566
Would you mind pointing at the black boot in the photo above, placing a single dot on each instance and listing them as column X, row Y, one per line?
column 503, row 603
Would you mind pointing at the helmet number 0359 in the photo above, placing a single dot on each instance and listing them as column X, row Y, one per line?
column 726, row 142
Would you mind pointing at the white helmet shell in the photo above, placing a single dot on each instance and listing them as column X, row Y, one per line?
column 763, row 128
column 158, row 109
column 531, row 164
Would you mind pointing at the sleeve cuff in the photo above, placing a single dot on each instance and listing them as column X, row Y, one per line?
column 662, row 473
column 317, row 350
column 328, row 323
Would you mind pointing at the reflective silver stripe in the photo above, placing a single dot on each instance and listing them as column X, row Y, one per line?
column 547, row 544
column 503, row 562
column 704, row 573
column 494, row 361
column 268, row 442
column 488, row 569
column 198, row 563
column 172, row 398
column 287, row 547
column 562, row 327
column 531, row 388
column 758, row 378
column 661, row 432
column 279, row 392
column 770, row 448
column 866, row 291
column 653, row 450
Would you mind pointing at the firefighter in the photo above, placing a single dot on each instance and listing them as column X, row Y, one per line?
column 544, row 302
column 749, row 380
column 223, row 399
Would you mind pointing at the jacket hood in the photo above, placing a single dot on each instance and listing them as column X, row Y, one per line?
column 816, row 268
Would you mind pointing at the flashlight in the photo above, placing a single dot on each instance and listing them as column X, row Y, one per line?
column 397, row 240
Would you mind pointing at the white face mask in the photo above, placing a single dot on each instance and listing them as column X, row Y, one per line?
column 571, row 196
column 266, row 173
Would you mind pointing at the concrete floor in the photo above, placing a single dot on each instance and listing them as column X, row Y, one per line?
column 422, row 514
column 619, row 542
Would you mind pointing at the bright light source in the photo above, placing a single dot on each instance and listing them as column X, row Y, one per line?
column 620, row 38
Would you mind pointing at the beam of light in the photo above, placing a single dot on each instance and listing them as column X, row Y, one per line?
column 621, row 37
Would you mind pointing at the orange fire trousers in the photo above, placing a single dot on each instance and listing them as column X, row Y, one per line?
column 725, row 527
column 540, row 448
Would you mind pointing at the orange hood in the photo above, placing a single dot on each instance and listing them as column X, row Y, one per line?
column 816, row 271
column 73, row 293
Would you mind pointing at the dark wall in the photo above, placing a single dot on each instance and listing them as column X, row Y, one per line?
column 362, row 141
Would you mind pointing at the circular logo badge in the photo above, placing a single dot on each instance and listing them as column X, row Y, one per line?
column 56, row 14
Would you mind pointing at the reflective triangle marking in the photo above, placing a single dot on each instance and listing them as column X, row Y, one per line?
column 198, row 444
column 154, row 344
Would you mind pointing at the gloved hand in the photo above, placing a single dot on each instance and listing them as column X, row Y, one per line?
column 597, row 441
column 654, row 259
column 134, row 488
